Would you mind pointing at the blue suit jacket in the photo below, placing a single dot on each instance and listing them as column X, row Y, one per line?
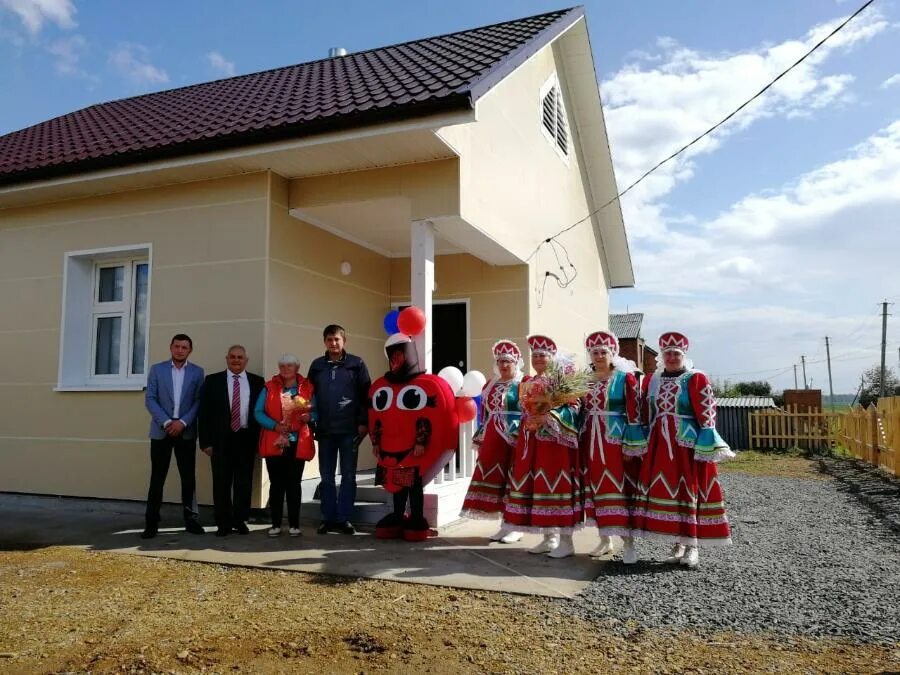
column 159, row 398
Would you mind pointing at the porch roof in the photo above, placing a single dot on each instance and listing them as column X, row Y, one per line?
column 404, row 81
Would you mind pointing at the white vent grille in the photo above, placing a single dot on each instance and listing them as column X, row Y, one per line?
column 553, row 116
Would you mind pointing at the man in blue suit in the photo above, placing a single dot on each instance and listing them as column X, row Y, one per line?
column 173, row 400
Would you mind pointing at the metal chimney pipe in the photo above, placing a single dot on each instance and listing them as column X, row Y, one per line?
column 336, row 51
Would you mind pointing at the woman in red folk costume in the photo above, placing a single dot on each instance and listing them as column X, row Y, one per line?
column 496, row 441
column 681, row 500
column 544, row 490
column 611, row 440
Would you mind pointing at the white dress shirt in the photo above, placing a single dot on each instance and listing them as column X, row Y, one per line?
column 245, row 394
column 177, row 386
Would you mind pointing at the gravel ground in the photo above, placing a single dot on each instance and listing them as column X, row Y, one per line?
column 64, row 610
column 808, row 560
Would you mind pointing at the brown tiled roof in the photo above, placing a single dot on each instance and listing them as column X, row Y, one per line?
column 408, row 80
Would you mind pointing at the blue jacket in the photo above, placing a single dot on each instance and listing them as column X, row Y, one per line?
column 342, row 394
column 159, row 399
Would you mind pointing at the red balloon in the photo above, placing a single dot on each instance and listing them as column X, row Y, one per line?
column 466, row 409
column 411, row 321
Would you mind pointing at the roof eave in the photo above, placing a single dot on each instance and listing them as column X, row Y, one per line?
column 452, row 102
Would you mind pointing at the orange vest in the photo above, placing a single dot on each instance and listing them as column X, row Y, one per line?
column 306, row 450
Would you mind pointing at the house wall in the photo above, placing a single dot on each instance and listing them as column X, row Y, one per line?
column 516, row 188
column 207, row 279
column 306, row 292
column 497, row 295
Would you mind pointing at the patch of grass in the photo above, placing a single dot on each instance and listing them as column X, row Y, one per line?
column 794, row 463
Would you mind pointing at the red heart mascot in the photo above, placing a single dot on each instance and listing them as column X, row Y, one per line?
column 415, row 430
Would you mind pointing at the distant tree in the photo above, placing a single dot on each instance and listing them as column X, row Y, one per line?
column 759, row 388
column 722, row 388
column 778, row 398
column 871, row 385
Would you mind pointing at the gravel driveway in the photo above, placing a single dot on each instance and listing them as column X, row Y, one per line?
column 808, row 559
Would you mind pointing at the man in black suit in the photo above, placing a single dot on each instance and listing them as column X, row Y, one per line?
column 229, row 434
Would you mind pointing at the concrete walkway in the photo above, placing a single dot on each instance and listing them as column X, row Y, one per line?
column 459, row 557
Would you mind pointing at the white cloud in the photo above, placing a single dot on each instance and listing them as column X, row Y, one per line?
column 768, row 277
column 132, row 61
column 660, row 102
column 68, row 53
column 220, row 64
column 35, row 13
column 891, row 81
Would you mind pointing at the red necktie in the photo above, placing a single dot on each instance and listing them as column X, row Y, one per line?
column 236, row 404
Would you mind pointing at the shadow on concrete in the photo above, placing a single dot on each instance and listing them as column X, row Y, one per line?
column 459, row 557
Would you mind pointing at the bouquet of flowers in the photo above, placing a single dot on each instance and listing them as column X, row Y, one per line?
column 560, row 384
column 292, row 407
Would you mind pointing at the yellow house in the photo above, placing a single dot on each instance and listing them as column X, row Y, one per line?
column 259, row 208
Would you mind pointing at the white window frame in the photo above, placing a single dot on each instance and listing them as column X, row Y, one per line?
column 553, row 84
column 82, row 309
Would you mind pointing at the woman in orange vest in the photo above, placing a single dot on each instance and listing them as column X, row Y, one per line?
column 284, row 410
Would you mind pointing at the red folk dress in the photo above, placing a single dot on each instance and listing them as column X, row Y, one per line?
column 681, row 500
column 496, row 441
column 544, row 493
column 612, row 440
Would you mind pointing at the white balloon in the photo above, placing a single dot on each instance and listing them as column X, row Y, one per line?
column 473, row 383
column 452, row 376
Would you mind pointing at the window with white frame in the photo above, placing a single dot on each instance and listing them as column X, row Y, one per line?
column 554, row 121
column 105, row 319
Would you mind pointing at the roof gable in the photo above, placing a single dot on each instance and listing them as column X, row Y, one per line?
column 626, row 326
column 398, row 82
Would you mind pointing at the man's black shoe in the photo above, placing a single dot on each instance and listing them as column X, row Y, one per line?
column 148, row 533
column 324, row 527
column 346, row 528
column 194, row 527
column 222, row 532
column 241, row 528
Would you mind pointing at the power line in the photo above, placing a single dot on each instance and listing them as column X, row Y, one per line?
column 708, row 131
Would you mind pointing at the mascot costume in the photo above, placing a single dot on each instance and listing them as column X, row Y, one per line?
column 414, row 427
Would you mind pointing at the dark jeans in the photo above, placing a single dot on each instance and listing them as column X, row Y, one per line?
column 285, row 474
column 232, row 473
column 337, row 506
column 160, row 457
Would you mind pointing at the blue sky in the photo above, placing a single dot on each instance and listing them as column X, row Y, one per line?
column 780, row 230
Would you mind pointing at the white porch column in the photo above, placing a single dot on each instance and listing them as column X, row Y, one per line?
column 421, row 282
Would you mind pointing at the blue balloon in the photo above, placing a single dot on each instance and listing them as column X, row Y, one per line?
column 390, row 322
column 477, row 400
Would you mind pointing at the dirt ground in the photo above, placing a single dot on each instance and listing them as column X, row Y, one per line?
column 70, row 610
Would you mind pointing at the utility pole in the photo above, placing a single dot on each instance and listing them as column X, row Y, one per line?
column 796, row 386
column 830, row 387
column 883, row 344
column 803, row 361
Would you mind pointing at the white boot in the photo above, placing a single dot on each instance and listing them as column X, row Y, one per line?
column 511, row 537
column 677, row 554
column 547, row 544
column 499, row 534
column 565, row 548
column 691, row 557
column 629, row 555
column 605, row 547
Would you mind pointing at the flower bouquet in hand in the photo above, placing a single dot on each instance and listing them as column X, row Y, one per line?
column 561, row 383
column 293, row 407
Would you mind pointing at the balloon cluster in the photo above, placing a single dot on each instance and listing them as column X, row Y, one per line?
column 467, row 388
column 411, row 321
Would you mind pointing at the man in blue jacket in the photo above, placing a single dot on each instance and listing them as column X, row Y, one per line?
column 173, row 401
column 341, row 382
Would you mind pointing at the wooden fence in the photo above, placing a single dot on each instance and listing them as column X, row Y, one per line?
column 782, row 429
column 871, row 434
